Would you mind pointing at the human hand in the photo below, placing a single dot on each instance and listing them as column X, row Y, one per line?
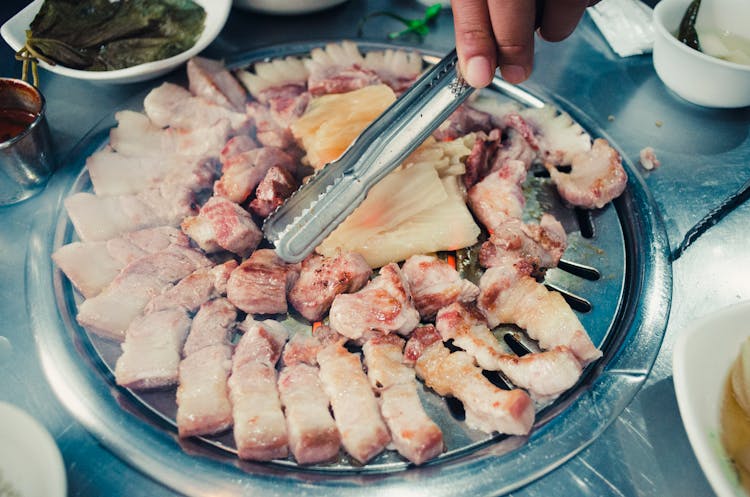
column 492, row 33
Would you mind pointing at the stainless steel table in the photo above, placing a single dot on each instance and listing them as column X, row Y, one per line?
column 705, row 156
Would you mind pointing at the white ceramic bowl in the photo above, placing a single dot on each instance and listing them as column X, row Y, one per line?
column 702, row 357
column 217, row 11
column 286, row 7
column 695, row 76
column 30, row 462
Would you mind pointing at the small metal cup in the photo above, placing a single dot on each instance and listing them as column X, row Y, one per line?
column 26, row 159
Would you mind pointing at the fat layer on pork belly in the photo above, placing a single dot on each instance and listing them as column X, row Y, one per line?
column 223, row 225
column 384, row 305
column 242, row 173
column 509, row 296
column 212, row 325
column 358, row 419
column 173, row 105
column 414, row 434
column 91, row 266
column 259, row 425
column 487, row 407
column 313, row 436
column 98, row 218
column 543, row 374
column 435, row 284
column 136, row 136
column 112, row 173
column 210, row 80
column 110, row 312
column 203, row 406
column 321, row 279
column 260, row 284
column 151, row 350
column 194, row 289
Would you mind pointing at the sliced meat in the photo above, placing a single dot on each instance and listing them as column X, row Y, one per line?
column 211, row 80
column 259, row 425
column 151, row 350
column 260, row 284
column 384, row 305
column 479, row 161
column 275, row 187
column 544, row 373
column 212, row 325
column 463, row 121
column 303, row 348
column 322, row 279
column 223, row 225
column 499, row 196
column 194, row 289
column 313, row 436
column 363, row 432
column 420, row 339
column 203, row 406
column 110, row 312
column 487, row 407
column 101, row 218
column 508, row 296
column 242, row 172
column 236, row 145
column 434, row 284
column 338, row 68
column 268, row 130
column 414, row 434
column 596, row 177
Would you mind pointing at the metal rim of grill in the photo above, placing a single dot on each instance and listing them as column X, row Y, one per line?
column 618, row 279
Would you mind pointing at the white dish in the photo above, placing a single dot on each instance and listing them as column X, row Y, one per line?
column 703, row 356
column 30, row 462
column 217, row 11
column 286, row 7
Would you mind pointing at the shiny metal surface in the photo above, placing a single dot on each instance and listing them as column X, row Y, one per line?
column 705, row 156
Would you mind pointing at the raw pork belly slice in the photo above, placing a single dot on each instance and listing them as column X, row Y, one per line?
column 363, row 432
column 117, row 174
column 313, row 436
column 268, row 78
column 487, row 407
column 383, row 305
column 209, row 79
column 508, row 296
column 260, row 284
column 136, row 136
column 173, row 105
column 596, row 177
column 110, row 312
column 415, row 435
column 151, row 350
column 434, row 284
column 321, row 279
column 241, row 173
column 544, row 373
column 223, row 225
column 101, row 218
column 194, row 289
column 91, row 266
column 259, row 425
column 396, row 68
column 203, row 406
column 275, row 187
column 212, row 325
column 338, row 68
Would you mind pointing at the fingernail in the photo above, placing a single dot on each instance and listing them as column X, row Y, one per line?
column 513, row 74
column 478, row 72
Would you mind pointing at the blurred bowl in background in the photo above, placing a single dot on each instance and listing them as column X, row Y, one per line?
column 286, row 7
column 217, row 12
column 695, row 76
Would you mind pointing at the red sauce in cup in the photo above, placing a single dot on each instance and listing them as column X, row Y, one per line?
column 13, row 122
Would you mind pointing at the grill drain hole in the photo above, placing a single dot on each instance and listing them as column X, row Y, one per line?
column 515, row 345
column 576, row 302
column 497, row 379
column 456, row 408
column 585, row 222
column 580, row 270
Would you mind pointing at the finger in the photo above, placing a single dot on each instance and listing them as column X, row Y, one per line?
column 475, row 43
column 561, row 17
column 513, row 26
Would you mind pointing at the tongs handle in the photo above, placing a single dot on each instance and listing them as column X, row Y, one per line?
column 319, row 206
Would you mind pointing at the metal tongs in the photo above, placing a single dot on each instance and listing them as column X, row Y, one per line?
column 307, row 217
